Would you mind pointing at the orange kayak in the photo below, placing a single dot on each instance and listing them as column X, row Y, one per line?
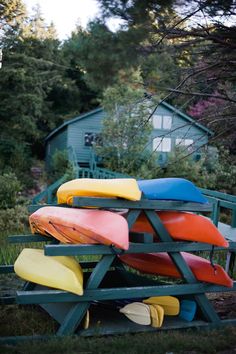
column 162, row 264
column 87, row 226
column 184, row 226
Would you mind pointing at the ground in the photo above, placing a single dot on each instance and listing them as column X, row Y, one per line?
column 224, row 304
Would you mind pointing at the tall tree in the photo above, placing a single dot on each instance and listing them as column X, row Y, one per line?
column 126, row 128
column 199, row 36
column 12, row 14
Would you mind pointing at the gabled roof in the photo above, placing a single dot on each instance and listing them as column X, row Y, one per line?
column 73, row 120
column 97, row 110
column 186, row 117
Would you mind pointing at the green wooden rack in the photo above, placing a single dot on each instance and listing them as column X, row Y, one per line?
column 108, row 280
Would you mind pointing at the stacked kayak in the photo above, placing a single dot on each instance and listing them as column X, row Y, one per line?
column 171, row 189
column 86, row 226
column 78, row 226
column 126, row 188
column 61, row 272
column 96, row 226
column 184, row 226
column 162, row 264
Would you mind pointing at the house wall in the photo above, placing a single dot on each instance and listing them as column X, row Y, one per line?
column 73, row 135
column 77, row 131
column 58, row 142
column 180, row 129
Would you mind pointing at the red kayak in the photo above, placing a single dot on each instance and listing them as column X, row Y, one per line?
column 184, row 226
column 87, row 226
column 161, row 264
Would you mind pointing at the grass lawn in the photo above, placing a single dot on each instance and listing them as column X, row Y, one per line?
column 187, row 341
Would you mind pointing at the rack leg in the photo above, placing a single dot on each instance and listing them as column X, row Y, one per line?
column 76, row 314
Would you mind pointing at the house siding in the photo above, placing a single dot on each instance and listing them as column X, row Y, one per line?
column 77, row 130
column 58, row 142
column 73, row 133
column 180, row 129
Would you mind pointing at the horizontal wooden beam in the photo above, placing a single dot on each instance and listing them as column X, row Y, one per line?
column 73, row 250
column 57, row 296
column 141, row 204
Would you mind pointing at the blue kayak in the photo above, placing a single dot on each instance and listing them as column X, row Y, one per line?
column 171, row 189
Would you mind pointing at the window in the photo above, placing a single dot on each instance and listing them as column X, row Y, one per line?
column 167, row 122
column 157, row 122
column 183, row 142
column 91, row 138
column 162, row 144
column 162, row 122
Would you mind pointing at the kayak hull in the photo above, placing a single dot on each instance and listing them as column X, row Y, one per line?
column 171, row 189
column 126, row 188
column 184, row 226
column 161, row 264
column 86, row 226
column 60, row 272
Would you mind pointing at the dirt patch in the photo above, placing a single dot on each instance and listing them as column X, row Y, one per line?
column 224, row 303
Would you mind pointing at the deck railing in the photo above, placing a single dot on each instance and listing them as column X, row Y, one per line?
column 221, row 201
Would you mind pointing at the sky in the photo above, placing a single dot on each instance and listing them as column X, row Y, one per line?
column 65, row 14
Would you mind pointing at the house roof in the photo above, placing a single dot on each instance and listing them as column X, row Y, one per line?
column 185, row 116
column 97, row 110
column 73, row 120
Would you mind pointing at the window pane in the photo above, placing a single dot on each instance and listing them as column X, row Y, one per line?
column 179, row 142
column 188, row 142
column 167, row 122
column 157, row 121
column 89, row 139
column 157, row 144
column 166, row 144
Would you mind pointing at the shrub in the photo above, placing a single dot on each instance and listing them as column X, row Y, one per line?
column 10, row 188
column 14, row 219
column 60, row 166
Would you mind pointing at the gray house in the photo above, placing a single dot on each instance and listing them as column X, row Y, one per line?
column 171, row 128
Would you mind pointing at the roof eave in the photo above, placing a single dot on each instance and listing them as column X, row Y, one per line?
column 185, row 116
column 81, row 116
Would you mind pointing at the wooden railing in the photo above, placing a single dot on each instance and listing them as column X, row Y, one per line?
column 220, row 201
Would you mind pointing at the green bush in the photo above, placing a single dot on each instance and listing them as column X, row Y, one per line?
column 10, row 188
column 14, row 219
column 60, row 166
column 219, row 174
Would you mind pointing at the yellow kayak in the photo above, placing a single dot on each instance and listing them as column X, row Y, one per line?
column 126, row 188
column 60, row 272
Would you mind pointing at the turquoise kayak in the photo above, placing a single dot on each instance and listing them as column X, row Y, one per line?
column 171, row 189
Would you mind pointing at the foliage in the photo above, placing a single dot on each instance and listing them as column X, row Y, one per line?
column 225, row 172
column 60, row 166
column 126, row 127
column 219, row 115
column 13, row 212
column 14, row 218
column 217, row 173
column 40, row 86
column 11, row 14
column 199, row 37
column 9, row 190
